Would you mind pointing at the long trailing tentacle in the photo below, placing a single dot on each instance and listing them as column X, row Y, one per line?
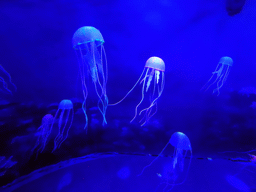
column 223, row 79
column 70, row 113
column 9, row 77
column 217, row 71
column 99, row 69
column 217, row 89
column 154, row 102
column 153, row 160
column 84, row 87
column 142, row 92
column 131, row 88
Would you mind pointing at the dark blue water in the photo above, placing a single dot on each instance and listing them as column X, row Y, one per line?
column 40, row 67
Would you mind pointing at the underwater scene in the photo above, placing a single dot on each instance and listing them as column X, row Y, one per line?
column 127, row 96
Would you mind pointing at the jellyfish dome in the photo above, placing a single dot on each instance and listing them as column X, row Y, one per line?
column 155, row 63
column 86, row 35
column 226, row 61
column 66, row 104
column 180, row 140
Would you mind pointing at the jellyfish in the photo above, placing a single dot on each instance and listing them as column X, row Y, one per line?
column 152, row 74
column 5, row 87
column 88, row 44
column 43, row 133
column 219, row 76
column 178, row 171
column 65, row 114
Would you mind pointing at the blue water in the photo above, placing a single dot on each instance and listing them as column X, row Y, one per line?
column 40, row 67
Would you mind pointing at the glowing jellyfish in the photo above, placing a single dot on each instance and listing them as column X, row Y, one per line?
column 219, row 76
column 43, row 133
column 65, row 115
column 152, row 74
column 88, row 45
column 181, row 159
column 4, row 88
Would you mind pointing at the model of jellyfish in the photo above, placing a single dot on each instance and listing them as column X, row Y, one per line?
column 88, row 44
column 152, row 79
column 4, row 87
column 178, row 171
column 64, row 115
column 219, row 76
column 43, row 133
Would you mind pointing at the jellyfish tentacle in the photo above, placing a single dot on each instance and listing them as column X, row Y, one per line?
column 9, row 77
column 131, row 88
column 208, row 84
column 148, row 110
column 151, row 74
column 71, row 121
column 84, row 87
column 217, row 89
column 103, row 90
column 154, row 103
column 142, row 92
column 225, row 76
column 153, row 160
column 103, row 52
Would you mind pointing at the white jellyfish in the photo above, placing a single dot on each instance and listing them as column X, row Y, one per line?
column 152, row 79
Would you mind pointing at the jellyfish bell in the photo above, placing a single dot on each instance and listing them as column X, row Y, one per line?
column 85, row 35
column 88, row 43
column 155, row 63
column 226, row 61
column 66, row 104
column 152, row 79
column 180, row 141
column 219, row 76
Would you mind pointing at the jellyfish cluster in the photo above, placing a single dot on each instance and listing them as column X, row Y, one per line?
column 88, row 45
column 62, row 121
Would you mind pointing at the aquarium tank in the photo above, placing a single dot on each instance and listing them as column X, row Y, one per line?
column 127, row 96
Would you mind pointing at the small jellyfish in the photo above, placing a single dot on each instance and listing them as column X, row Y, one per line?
column 88, row 44
column 43, row 133
column 65, row 114
column 152, row 74
column 178, row 171
column 219, row 76
column 4, row 88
